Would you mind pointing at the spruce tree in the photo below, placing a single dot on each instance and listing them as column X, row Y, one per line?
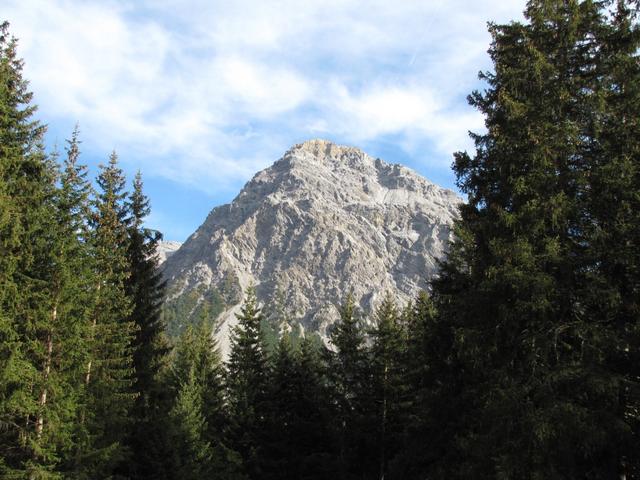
column 145, row 288
column 434, row 400
column 297, row 440
column 198, row 427
column 279, row 442
column 543, row 400
column 246, row 383
column 18, row 133
column 71, row 283
column 314, row 413
column 389, row 386
column 349, row 377
column 192, row 455
column 63, row 336
column 108, row 374
column 36, row 400
column 610, row 277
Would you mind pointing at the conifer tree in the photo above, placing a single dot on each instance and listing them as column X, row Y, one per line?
column 349, row 377
column 297, row 441
column 388, row 385
column 34, row 402
column 145, row 288
column 610, row 282
column 434, row 400
column 316, row 444
column 108, row 373
column 279, row 441
column 544, row 401
column 192, row 455
column 198, row 425
column 246, row 383
column 63, row 334
column 17, row 135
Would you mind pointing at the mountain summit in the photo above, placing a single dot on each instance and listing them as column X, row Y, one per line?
column 322, row 221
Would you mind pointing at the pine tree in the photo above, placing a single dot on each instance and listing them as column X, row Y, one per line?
column 435, row 397
column 198, row 425
column 150, row 348
column 542, row 400
column 192, row 455
column 297, row 440
column 67, row 349
column 63, row 334
column 610, row 282
column 388, row 385
column 108, row 373
column 281, row 459
column 315, row 415
column 18, row 132
column 246, row 383
column 349, row 377
column 35, row 401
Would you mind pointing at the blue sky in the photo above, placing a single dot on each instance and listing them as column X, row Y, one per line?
column 200, row 95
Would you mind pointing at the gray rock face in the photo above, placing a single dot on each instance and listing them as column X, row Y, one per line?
column 166, row 248
column 320, row 222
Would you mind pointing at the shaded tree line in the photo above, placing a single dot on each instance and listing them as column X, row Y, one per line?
column 522, row 362
column 81, row 335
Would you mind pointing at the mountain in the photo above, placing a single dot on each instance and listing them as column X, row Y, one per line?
column 322, row 221
column 166, row 248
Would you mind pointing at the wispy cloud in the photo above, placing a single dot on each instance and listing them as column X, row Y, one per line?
column 206, row 92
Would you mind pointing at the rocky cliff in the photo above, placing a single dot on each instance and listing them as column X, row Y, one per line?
column 320, row 222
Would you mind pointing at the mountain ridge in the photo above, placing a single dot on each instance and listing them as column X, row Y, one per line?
column 323, row 220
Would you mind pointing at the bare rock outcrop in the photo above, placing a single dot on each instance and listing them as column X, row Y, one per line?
column 322, row 221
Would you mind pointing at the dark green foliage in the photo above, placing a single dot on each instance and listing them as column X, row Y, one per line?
column 198, row 427
column 435, row 400
column 388, row 392
column 526, row 298
column 349, row 377
column 38, row 337
column 20, row 173
column 188, row 308
column 109, row 374
column 192, row 453
column 524, row 362
column 64, row 335
column 297, row 440
column 145, row 288
column 246, row 381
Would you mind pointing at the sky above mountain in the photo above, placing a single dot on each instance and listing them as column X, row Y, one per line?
column 199, row 95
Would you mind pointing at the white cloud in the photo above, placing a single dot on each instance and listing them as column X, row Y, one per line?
column 221, row 88
column 262, row 90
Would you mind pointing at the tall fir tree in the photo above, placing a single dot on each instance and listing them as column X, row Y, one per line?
column 389, row 386
column 35, row 401
column 246, row 381
column 349, row 377
column 63, row 334
column 71, row 285
column 150, row 348
column 434, row 398
column 108, row 374
column 610, row 277
column 192, row 454
column 298, row 440
column 198, row 429
column 18, row 133
column 543, row 400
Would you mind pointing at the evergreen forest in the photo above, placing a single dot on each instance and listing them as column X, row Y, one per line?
column 521, row 362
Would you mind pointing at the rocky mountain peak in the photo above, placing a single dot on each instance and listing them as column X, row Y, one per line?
column 323, row 220
column 165, row 249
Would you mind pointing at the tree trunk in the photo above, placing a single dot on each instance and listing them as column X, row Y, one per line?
column 47, row 371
